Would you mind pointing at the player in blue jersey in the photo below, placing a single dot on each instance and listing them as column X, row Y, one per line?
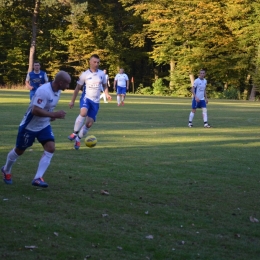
column 36, row 124
column 89, row 106
column 199, row 99
column 121, row 85
column 35, row 78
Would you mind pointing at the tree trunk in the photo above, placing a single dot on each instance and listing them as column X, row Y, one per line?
column 34, row 34
column 252, row 93
column 172, row 68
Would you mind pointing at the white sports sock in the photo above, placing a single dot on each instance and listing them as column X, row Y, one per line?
column 191, row 116
column 205, row 117
column 43, row 164
column 101, row 96
column 78, row 123
column 83, row 131
column 10, row 160
column 118, row 100
column 104, row 97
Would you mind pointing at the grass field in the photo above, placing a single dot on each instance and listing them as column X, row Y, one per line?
column 192, row 190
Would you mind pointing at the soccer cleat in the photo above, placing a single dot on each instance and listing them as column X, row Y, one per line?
column 40, row 182
column 122, row 103
column 7, row 177
column 190, row 125
column 72, row 137
column 77, row 145
column 207, row 126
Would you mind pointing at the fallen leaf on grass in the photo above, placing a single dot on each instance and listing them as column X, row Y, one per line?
column 149, row 237
column 104, row 215
column 31, row 247
column 56, row 234
column 237, row 235
column 146, row 213
column 104, row 192
column 87, row 256
column 119, row 248
column 254, row 220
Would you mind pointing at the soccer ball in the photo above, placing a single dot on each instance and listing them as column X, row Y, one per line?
column 90, row 141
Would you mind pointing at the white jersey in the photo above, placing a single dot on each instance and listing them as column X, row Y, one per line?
column 46, row 99
column 93, row 81
column 199, row 88
column 121, row 79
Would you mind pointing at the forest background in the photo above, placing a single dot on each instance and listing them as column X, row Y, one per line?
column 161, row 44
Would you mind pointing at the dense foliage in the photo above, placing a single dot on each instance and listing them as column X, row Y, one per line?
column 162, row 44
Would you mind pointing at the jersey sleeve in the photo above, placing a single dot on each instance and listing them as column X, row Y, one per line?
column 46, row 77
column 28, row 77
column 40, row 98
column 126, row 77
column 81, row 79
column 116, row 77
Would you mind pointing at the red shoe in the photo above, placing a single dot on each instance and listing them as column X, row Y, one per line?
column 7, row 177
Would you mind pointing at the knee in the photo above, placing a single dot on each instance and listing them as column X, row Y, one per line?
column 204, row 110
column 49, row 147
column 18, row 151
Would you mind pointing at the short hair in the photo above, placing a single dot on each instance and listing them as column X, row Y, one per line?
column 36, row 61
column 94, row 56
column 202, row 70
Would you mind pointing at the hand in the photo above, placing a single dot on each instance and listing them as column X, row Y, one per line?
column 71, row 104
column 59, row 114
column 109, row 97
column 197, row 99
column 207, row 101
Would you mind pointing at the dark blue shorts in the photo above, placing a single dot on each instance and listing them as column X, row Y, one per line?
column 91, row 106
column 196, row 104
column 26, row 138
column 121, row 90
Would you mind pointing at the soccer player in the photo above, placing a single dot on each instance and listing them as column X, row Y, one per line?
column 35, row 78
column 36, row 124
column 103, row 95
column 121, row 85
column 89, row 104
column 199, row 99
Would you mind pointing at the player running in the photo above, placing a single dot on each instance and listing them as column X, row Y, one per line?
column 89, row 104
column 199, row 99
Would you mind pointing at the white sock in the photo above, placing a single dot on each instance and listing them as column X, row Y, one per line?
column 43, row 164
column 102, row 95
column 78, row 123
column 77, row 139
column 10, row 160
column 191, row 116
column 205, row 117
column 118, row 100
column 83, row 131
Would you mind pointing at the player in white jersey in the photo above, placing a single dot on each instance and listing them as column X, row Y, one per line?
column 92, row 78
column 121, row 85
column 199, row 99
column 103, row 95
column 36, row 124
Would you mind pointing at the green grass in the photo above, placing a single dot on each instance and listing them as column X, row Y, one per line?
column 198, row 185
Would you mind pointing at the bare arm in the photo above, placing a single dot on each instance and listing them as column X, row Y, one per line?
column 106, row 92
column 115, row 81
column 74, row 96
column 194, row 95
column 37, row 111
column 205, row 95
column 127, row 84
column 27, row 84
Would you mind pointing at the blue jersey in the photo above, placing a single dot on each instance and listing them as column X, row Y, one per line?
column 37, row 79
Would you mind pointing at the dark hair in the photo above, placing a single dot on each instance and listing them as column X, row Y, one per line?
column 94, row 56
column 36, row 61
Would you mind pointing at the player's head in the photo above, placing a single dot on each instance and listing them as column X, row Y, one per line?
column 202, row 74
column 62, row 80
column 94, row 62
column 36, row 66
column 121, row 71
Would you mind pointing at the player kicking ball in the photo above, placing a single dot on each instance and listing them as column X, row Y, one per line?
column 199, row 99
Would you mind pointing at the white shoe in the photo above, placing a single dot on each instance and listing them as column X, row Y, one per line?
column 190, row 125
column 207, row 126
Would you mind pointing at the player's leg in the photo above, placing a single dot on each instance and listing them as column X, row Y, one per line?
column 24, row 140
column 79, row 122
column 123, row 96
column 91, row 118
column 46, row 138
column 205, row 114
column 192, row 113
column 119, row 92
